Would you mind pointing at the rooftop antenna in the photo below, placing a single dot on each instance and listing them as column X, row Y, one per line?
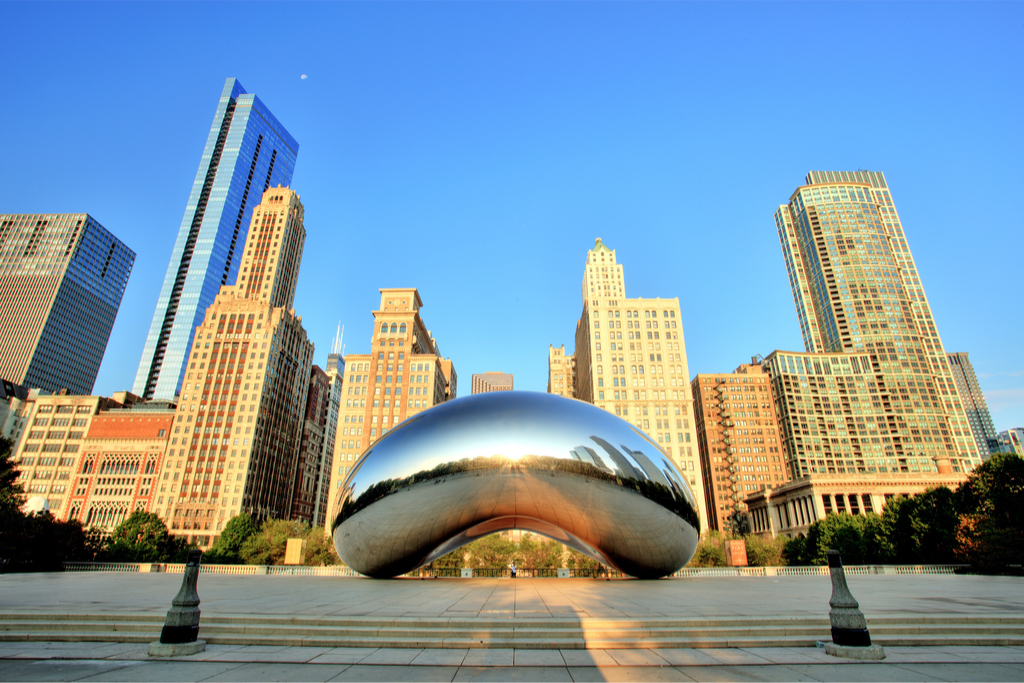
column 336, row 342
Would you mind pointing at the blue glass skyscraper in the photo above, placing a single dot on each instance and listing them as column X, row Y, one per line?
column 247, row 151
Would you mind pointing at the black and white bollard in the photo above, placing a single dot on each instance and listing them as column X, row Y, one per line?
column 850, row 637
column 180, row 635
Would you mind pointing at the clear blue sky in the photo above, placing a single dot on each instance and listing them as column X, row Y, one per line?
column 475, row 150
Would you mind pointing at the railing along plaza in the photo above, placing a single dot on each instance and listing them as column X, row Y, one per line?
column 496, row 572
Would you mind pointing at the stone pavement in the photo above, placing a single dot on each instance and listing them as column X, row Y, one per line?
column 114, row 593
column 127, row 662
column 879, row 595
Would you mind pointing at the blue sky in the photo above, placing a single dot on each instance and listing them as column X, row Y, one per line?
column 475, row 150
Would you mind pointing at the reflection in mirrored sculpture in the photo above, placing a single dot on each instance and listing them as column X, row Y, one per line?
column 515, row 460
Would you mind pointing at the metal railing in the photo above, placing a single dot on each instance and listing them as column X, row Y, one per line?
column 497, row 572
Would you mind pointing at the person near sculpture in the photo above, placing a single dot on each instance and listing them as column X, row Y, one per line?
column 513, row 570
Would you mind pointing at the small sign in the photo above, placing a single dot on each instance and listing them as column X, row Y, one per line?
column 295, row 551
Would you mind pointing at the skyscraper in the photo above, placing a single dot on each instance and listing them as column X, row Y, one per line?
column 492, row 381
column 247, row 152
column 62, row 277
column 974, row 404
column 402, row 375
column 638, row 369
column 238, row 429
column 857, row 291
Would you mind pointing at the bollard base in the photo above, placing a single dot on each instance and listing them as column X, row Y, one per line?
column 158, row 649
column 871, row 652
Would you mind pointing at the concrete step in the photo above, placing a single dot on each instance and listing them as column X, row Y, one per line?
column 521, row 633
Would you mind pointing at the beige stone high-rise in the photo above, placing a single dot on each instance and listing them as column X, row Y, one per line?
column 237, row 431
column 403, row 375
column 561, row 372
column 631, row 361
column 857, row 291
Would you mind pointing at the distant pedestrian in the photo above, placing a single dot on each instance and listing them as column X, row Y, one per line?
column 513, row 570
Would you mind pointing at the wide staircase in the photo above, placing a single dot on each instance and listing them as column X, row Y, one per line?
column 515, row 632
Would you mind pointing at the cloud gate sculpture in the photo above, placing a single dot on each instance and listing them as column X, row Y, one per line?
column 515, row 460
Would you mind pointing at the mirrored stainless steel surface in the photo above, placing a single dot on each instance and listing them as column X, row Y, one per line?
column 515, row 460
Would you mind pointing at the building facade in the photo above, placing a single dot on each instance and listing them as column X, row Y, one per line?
column 62, row 277
column 120, row 464
column 238, row 428
column 631, row 361
column 48, row 455
column 790, row 509
column 836, row 417
column 739, row 438
column 561, row 372
column 492, row 381
column 308, row 479
column 857, row 291
column 403, row 375
column 247, row 152
column 974, row 403
column 1012, row 441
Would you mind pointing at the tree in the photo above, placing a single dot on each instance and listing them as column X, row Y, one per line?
column 493, row 551
column 921, row 529
column 228, row 548
column 849, row 534
column 10, row 489
column 456, row 559
column 320, row 551
column 143, row 537
column 268, row 545
column 539, row 553
column 710, row 550
column 584, row 565
column 991, row 504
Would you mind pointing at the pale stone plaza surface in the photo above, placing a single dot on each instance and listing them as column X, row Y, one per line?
column 118, row 594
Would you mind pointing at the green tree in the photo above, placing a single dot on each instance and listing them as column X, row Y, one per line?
column 228, row 548
column 991, row 504
column 584, row 565
column 268, row 545
column 539, row 553
column 456, row 559
column 842, row 532
column 10, row 489
column 143, row 537
column 920, row 529
column 793, row 551
column 11, row 499
column 320, row 551
column 492, row 551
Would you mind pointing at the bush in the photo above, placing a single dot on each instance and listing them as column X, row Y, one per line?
column 710, row 550
column 765, row 552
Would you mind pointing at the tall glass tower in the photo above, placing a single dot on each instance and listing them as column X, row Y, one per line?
column 858, row 291
column 62, row 277
column 247, row 152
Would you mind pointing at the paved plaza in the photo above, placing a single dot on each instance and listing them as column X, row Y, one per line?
column 116, row 593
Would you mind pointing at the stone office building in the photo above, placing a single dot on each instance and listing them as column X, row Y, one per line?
column 403, row 375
